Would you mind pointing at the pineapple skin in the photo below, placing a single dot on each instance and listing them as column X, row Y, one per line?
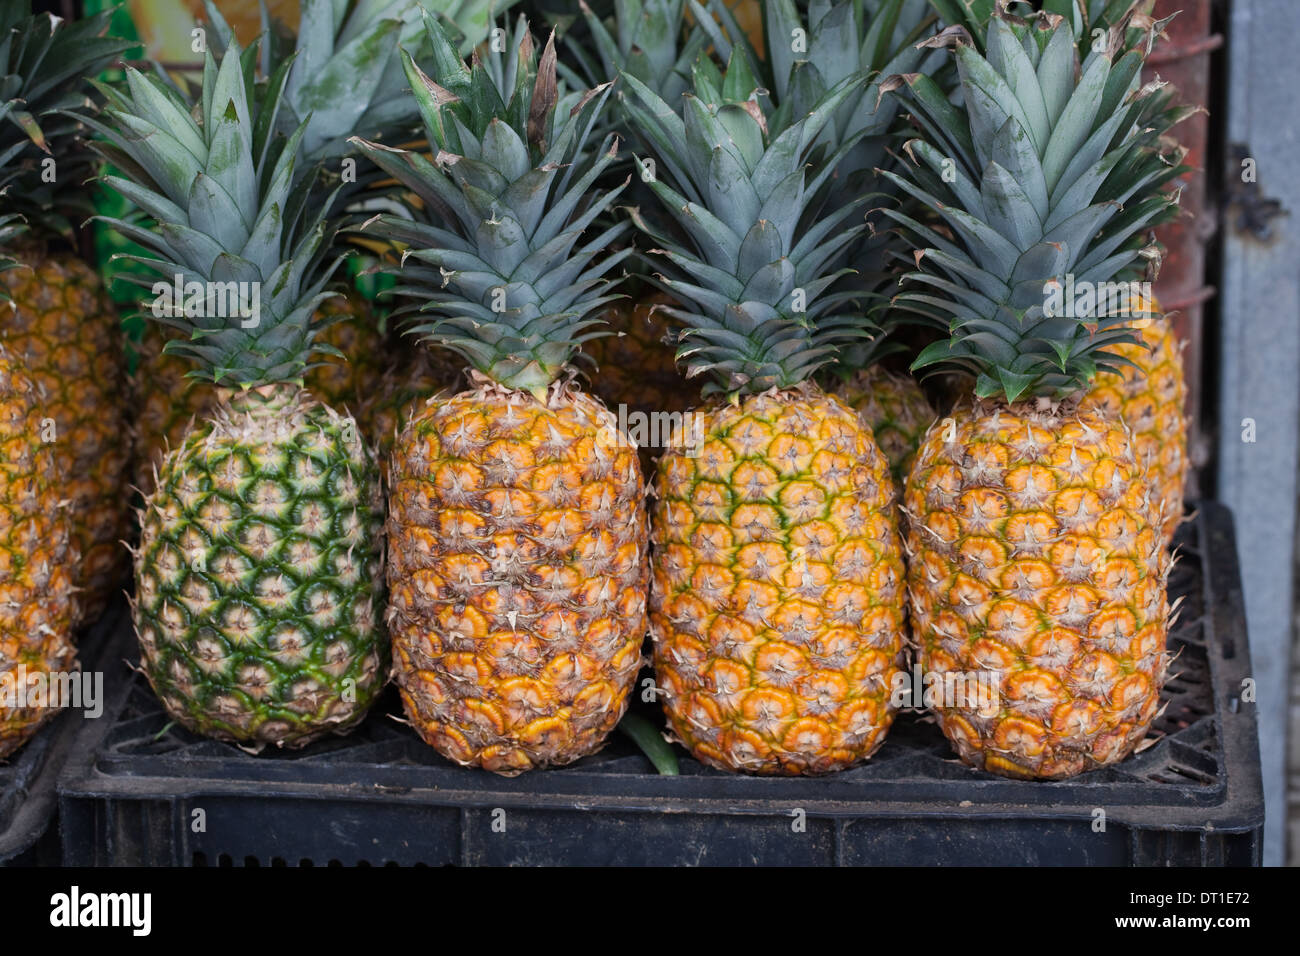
column 38, row 556
column 345, row 384
column 168, row 403
column 777, row 601
column 517, row 575
column 65, row 331
column 1036, row 558
column 259, row 574
column 634, row 366
column 896, row 410
column 415, row 375
column 1151, row 399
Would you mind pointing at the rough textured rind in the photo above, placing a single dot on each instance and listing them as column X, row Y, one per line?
column 1151, row 399
column 896, row 410
column 517, row 576
column 416, row 374
column 346, row 383
column 259, row 576
column 62, row 327
column 635, row 367
column 37, row 558
column 777, row 603
column 1036, row 562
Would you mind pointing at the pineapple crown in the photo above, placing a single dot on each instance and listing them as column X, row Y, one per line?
column 495, row 258
column 347, row 79
column 754, row 271
column 44, row 66
column 807, row 54
column 1046, row 178
column 231, row 225
column 650, row 40
column 1117, row 26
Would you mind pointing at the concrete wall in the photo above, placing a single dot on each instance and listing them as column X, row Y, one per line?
column 1260, row 365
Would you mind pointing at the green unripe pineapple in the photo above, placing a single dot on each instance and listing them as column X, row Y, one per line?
column 258, row 584
column 259, row 570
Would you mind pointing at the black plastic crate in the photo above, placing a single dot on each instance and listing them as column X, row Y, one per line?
column 138, row 792
column 28, row 779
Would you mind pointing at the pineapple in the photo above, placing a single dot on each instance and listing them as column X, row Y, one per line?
column 777, row 573
column 896, row 410
column 517, row 534
column 38, row 555
column 57, row 320
column 167, row 402
column 259, row 569
column 1150, row 396
column 1034, row 532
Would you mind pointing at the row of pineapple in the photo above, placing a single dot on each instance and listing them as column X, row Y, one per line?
column 784, row 217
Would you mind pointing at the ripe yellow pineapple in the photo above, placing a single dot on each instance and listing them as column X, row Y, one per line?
column 1036, row 570
column 516, row 575
column 896, row 410
column 777, row 589
column 55, row 318
column 517, row 535
column 63, row 328
column 777, row 593
column 1150, row 396
column 1034, row 561
column 37, row 556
